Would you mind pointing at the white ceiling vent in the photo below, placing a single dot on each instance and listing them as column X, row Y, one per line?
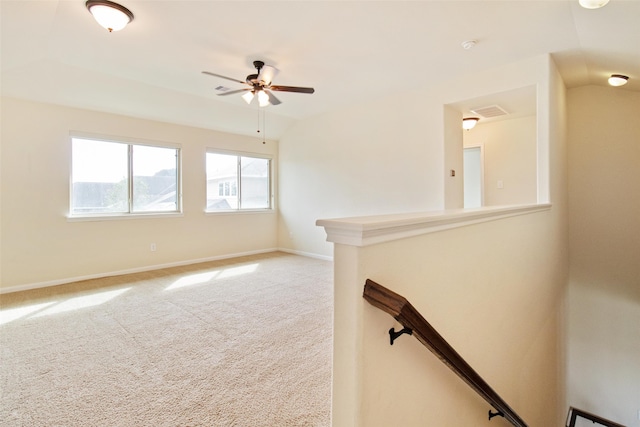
column 490, row 111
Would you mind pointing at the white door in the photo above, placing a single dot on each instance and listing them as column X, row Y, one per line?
column 473, row 177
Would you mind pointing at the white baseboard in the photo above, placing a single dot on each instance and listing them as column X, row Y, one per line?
column 26, row 287
column 306, row 254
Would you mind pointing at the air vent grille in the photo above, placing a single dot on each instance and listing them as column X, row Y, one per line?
column 490, row 111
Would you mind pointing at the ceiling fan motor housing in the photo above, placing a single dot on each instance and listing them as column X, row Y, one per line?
column 252, row 79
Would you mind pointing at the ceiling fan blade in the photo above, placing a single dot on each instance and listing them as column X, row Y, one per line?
column 231, row 92
column 272, row 99
column 224, row 77
column 293, row 89
column 266, row 75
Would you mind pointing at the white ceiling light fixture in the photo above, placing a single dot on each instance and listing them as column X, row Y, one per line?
column 618, row 80
column 469, row 122
column 110, row 15
column 593, row 4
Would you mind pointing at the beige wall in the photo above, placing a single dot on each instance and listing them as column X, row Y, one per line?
column 390, row 156
column 509, row 156
column 453, row 155
column 495, row 291
column 367, row 159
column 604, row 294
column 39, row 245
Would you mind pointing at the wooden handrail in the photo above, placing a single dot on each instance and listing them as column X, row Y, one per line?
column 398, row 307
column 575, row 413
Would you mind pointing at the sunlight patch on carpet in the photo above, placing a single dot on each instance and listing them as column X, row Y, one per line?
column 81, row 302
column 199, row 278
column 192, row 279
column 11, row 314
column 238, row 271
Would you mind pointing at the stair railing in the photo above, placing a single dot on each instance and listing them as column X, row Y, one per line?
column 574, row 413
column 414, row 324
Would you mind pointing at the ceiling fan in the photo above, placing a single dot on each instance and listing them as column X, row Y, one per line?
column 260, row 85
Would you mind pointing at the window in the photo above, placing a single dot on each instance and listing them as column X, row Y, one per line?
column 237, row 182
column 110, row 178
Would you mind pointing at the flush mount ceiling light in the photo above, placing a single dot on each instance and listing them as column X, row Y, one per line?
column 110, row 15
column 593, row 4
column 469, row 122
column 618, row 80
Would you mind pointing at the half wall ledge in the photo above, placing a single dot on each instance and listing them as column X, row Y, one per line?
column 371, row 230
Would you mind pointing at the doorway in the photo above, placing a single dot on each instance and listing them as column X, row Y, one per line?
column 473, row 177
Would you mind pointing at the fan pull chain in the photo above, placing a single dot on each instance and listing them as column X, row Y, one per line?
column 261, row 110
column 258, row 121
column 264, row 125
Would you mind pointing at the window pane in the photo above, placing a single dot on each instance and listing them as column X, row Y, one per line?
column 222, row 181
column 99, row 177
column 254, row 188
column 155, row 179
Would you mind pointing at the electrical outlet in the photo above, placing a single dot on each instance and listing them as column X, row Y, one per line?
column 500, row 184
column 152, row 247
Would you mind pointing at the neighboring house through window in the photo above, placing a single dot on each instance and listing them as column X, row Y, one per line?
column 229, row 188
column 238, row 181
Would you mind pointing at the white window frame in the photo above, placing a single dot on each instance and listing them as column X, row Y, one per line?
column 239, row 209
column 130, row 142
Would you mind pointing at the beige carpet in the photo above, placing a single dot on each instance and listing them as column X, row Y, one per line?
column 243, row 342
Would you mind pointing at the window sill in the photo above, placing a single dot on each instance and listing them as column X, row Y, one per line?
column 240, row 212
column 370, row 230
column 119, row 217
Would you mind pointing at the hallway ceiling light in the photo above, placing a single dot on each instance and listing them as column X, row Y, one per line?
column 469, row 122
column 110, row 15
column 593, row 4
column 618, row 80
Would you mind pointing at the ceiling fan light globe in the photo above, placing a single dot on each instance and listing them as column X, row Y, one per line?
column 267, row 73
column 263, row 99
column 248, row 97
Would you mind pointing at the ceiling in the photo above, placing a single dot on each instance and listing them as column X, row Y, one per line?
column 349, row 51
